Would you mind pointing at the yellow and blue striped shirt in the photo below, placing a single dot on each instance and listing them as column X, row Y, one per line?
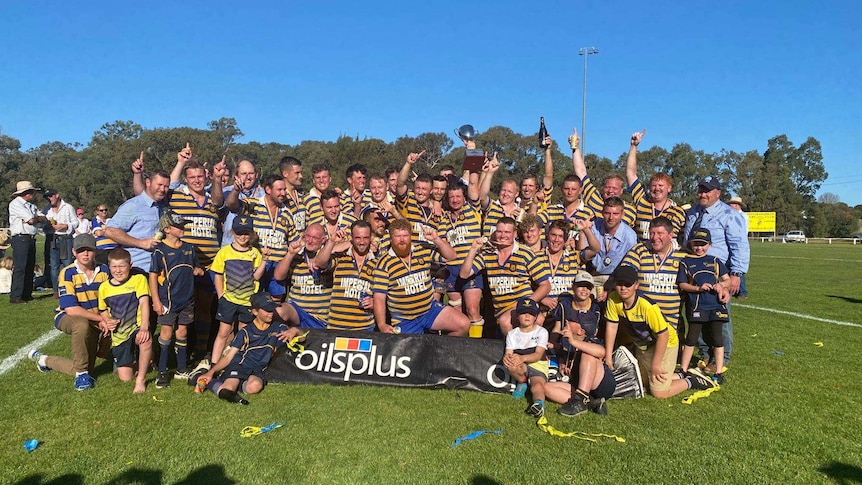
column 512, row 279
column 351, row 283
column 201, row 231
column 275, row 233
column 408, row 288
column 309, row 290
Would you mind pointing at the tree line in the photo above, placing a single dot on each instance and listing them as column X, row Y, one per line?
column 784, row 178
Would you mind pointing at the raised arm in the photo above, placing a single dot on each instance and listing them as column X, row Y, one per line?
column 577, row 157
column 232, row 200
column 404, row 174
column 485, row 181
column 216, row 192
column 548, row 181
column 632, row 159
column 138, row 175
column 183, row 156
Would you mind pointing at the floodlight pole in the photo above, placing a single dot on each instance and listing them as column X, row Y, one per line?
column 585, row 51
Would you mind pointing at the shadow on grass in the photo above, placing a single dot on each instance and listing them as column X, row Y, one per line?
column 209, row 474
column 483, row 480
column 846, row 298
column 842, row 472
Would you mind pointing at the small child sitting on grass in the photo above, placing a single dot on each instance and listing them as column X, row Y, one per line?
column 249, row 353
column 525, row 359
column 124, row 301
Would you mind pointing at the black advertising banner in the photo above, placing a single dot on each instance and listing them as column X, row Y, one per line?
column 426, row 361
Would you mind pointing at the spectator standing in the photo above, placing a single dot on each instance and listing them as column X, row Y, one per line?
column 84, row 225
column 61, row 216
column 23, row 218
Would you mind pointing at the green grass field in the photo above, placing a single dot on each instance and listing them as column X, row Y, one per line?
column 790, row 412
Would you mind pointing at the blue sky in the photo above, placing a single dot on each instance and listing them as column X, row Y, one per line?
column 713, row 74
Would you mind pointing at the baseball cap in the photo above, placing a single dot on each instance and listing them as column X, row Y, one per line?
column 527, row 305
column 84, row 241
column 79, row 211
column 626, row 275
column 709, row 183
column 171, row 219
column 50, row 192
column 584, row 279
column 263, row 301
column 700, row 235
column 242, row 224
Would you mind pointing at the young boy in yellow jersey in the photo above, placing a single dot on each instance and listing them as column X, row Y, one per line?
column 124, row 301
column 525, row 360
column 238, row 268
column 656, row 342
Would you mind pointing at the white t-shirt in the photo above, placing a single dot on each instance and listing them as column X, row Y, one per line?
column 519, row 340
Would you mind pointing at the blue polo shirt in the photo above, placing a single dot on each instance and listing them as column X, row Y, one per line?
column 139, row 218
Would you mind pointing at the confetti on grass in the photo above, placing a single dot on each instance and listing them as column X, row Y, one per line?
column 250, row 431
column 544, row 426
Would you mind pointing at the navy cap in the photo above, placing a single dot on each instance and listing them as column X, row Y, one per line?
column 50, row 192
column 527, row 305
column 709, row 183
column 242, row 224
column 263, row 301
column 626, row 275
column 700, row 235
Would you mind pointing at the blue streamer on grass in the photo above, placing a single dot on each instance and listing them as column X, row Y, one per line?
column 476, row 434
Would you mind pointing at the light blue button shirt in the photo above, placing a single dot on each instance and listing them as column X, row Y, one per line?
column 614, row 247
column 139, row 218
column 727, row 229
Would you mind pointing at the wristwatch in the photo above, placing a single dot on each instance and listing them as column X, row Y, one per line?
column 737, row 273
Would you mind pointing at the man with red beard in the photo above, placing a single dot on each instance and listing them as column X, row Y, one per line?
column 512, row 272
column 656, row 203
column 402, row 286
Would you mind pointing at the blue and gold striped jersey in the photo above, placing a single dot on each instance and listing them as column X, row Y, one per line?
column 275, row 233
column 201, row 231
column 102, row 242
column 351, row 284
column 512, row 279
column 645, row 212
column 408, row 288
column 76, row 290
column 123, row 302
column 309, row 290
column 594, row 203
column 417, row 215
column 313, row 209
column 461, row 230
column 562, row 274
column 237, row 267
column 297, row 210
column 658, row 278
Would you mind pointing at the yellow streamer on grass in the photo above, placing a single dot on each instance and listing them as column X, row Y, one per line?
column 818, row 344
column 544, row 426
column 699, row 394
column 250, row 431
column 157, row 399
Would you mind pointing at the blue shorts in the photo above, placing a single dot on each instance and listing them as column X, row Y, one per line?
column 184, row 316
column 229, row 312
column 455, row 283
column 268, row 283
column 126, row 354
column 307, row 320
column 419, row 324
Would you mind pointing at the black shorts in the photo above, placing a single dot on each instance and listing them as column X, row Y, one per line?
column 126, row 354
column 229, row 312
column 605, row 389
column 242, row 373
column 186, row 316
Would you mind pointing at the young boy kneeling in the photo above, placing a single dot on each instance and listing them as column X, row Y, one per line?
column 124, row 301
column 249, row 353
column 525, row 359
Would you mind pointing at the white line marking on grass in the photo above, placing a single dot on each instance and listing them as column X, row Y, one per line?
column 11, row 361
column 798, row 315
column 810, row 259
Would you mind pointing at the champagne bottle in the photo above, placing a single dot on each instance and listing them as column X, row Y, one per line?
column 543, row 132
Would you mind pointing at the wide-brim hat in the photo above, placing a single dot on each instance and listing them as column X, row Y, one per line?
column 24, row 186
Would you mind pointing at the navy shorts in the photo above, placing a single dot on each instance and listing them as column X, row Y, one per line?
column 455, row 283
column 185, row 316
column 206, row 283
column 270, row 284
column 420, row 324
column 230, row 312
column 126, row 354
column 605, row 389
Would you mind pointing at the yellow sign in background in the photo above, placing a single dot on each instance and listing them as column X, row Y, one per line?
column 761, row 221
